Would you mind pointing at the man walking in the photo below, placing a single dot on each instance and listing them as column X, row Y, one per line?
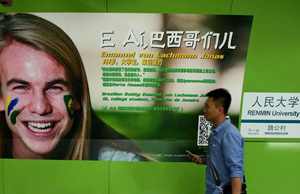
column 225, row 147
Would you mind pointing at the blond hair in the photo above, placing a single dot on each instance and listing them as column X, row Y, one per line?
column 44, row 36
column 47, row 37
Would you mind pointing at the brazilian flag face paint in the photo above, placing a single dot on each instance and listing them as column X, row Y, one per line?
column 68, row 99
column 9, row 106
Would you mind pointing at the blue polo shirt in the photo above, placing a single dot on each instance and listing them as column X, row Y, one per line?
column 226, row 150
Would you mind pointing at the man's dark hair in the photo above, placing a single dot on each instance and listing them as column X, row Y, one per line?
column 221, row 97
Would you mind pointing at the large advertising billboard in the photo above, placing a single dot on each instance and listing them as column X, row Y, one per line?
column 146, row 79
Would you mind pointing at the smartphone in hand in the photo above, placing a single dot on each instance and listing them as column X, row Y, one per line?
column 189, row 152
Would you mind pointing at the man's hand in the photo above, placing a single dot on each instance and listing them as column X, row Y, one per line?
column 195, row 158
column 236, row 185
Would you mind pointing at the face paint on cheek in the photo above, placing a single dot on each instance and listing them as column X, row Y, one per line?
column 13, row 116
column 7, row 101
column 9, row 106
column 68, row 99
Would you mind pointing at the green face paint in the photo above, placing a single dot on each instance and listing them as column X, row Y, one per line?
column 13, row 116
column 9, row 106
column 68, row 99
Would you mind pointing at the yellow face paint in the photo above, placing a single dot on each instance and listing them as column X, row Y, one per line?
column 9, row 106
column 68, row 99
column 70, row 106
column 7, row 101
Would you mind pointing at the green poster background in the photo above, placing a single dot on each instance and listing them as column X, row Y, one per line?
column 272, row 66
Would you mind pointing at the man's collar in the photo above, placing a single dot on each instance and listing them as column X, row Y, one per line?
column 221, row 126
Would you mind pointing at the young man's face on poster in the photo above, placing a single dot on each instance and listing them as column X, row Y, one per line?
column 36, row 97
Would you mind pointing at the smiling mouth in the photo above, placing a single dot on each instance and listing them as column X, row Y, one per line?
column 40, row 127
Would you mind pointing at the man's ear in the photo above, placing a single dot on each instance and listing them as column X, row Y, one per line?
column 221, row 110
